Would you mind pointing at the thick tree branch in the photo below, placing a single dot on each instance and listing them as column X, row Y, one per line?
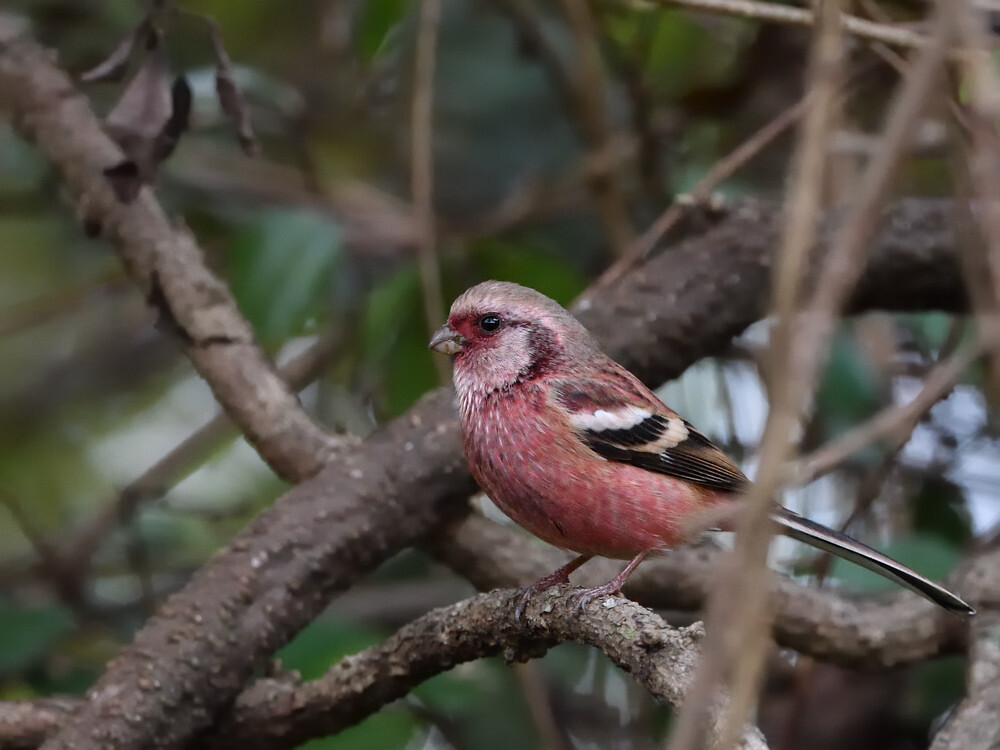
column 974, row 722
column 869, row 633
column 193, row 657
column 282, row 712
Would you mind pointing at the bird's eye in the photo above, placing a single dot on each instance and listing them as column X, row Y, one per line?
column 489, row 323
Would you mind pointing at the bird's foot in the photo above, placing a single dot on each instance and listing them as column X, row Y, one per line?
column 525, row 594
column 583, row 597
column 552, row 579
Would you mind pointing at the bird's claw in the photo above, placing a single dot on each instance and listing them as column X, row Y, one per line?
column 583, row 597
column 524, row 595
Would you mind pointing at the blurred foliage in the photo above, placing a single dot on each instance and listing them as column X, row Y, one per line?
column 315, row 236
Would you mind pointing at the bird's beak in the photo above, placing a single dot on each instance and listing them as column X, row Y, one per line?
column 446, row 341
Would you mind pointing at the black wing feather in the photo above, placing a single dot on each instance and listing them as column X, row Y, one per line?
column 695, row 459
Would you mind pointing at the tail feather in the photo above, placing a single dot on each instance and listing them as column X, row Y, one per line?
column 816, row 535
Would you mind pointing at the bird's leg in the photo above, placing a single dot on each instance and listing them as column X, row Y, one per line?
column 586, row 596
column 552, row 579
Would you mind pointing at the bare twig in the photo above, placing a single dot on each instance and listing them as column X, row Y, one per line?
column 422, row 170
column 894, row 424
column 738, row 612
column 532, row 683
column 895, row 35
column 587, row 94
column 178, row 463
column 582, row 101
column 722, row 170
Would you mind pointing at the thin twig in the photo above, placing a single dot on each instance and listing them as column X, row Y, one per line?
column 807, row 348
column 895, row 35
column 180, row 462
column 722, row 170
column 588, row 95
column 531, row 681
column 737, row 614
column 584, row 107
column 893, row 424
column 422, row 168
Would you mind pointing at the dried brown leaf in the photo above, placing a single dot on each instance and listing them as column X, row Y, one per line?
column 230, row 95
column 147, row 122
column 145, row 104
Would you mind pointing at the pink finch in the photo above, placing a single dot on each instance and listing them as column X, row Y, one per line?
column 572, row 447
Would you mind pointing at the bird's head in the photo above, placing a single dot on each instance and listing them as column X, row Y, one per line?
column 502, row 333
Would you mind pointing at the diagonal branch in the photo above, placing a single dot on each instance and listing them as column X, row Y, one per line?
column 161, row 257
column 896, row 35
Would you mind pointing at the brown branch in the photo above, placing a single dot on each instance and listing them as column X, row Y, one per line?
column 895, row 424
column 177, row 464
column 869, row 633
column 738, row 611
column 660, row 658
column 973, row 723
column 281, row 712
column 422, row 170
column 895, row 35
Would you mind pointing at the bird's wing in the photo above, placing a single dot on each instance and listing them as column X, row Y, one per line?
column 620, row 419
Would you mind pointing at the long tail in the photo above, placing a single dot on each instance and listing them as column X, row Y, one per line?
column 816, row 535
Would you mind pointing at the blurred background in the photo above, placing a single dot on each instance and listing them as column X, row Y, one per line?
column 560, row 131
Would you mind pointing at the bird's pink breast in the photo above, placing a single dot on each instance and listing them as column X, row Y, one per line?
column 525, row 456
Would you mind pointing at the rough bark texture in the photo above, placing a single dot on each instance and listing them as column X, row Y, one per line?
column 281, row 712
column 868, row 633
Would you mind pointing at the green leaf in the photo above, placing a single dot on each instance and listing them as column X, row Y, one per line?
column 939, row 510
column 326, row 642
column 26, row 635
column 930, row 329
column 395, row 340
column 376, row 21
column 932, row 688
column 281, row 268
column 485, row 704
column 389, row 729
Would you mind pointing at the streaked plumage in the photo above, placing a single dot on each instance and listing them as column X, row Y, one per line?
column 574, row 448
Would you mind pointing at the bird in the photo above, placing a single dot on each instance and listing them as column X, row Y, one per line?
column 575, row 449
